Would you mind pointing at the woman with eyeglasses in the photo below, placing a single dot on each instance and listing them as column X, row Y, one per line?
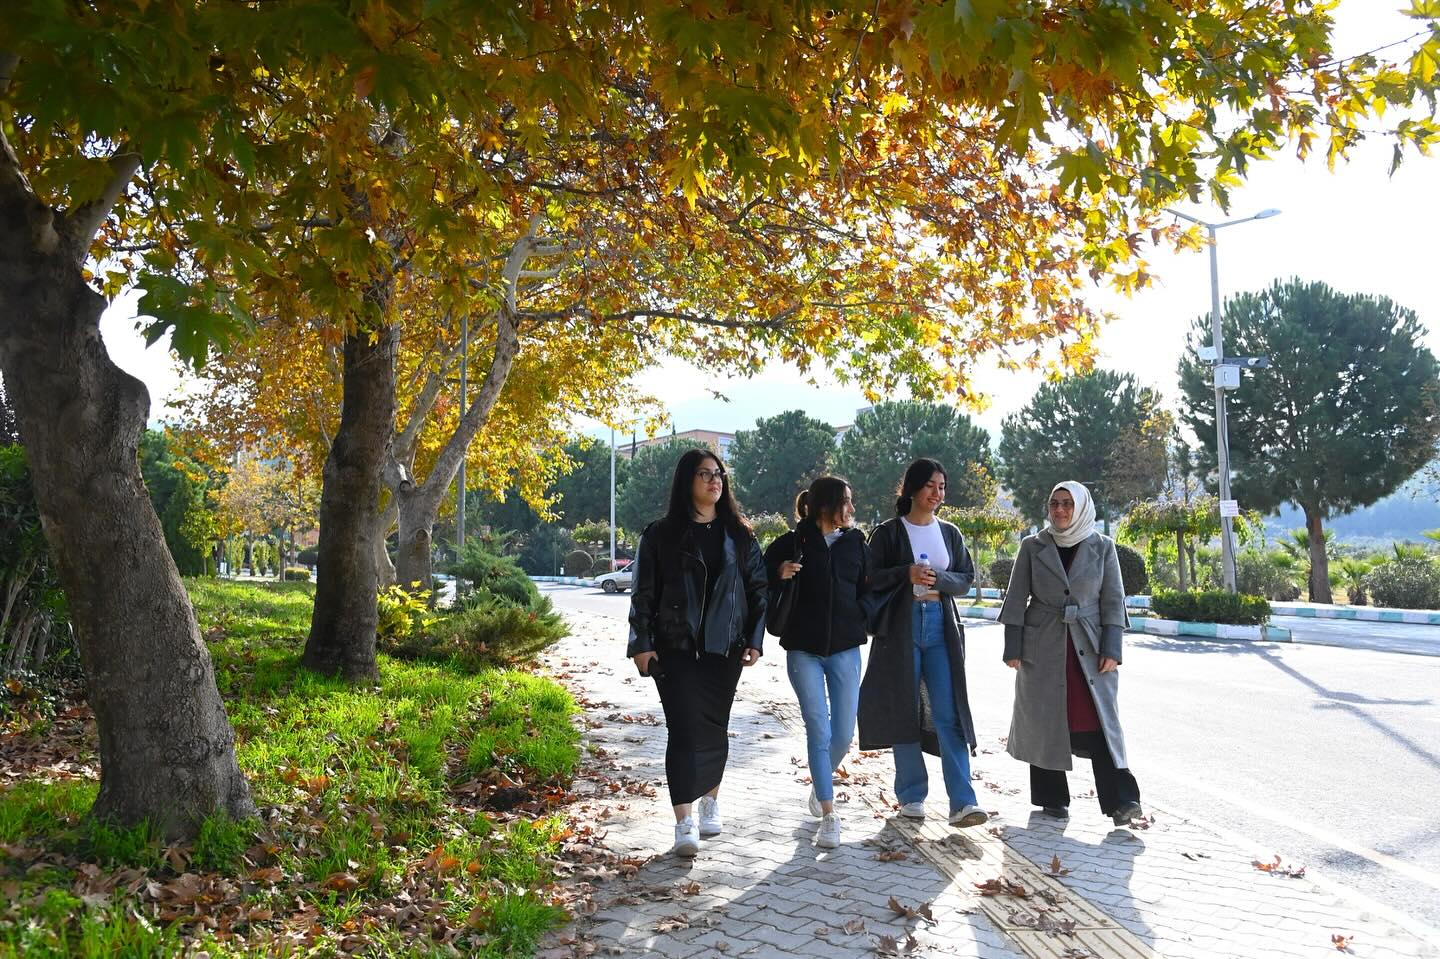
column 697, row 616
column 823, row 560
column 914, row 696
column 1064, row 616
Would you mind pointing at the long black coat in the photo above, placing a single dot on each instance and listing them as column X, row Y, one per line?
column 892, row 710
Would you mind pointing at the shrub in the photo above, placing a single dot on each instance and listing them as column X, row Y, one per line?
column 402, row 614
column 1271, row 574
column 297, row 574
column 1405, row 583
column 1210, row 606
column 1132, row 571
column 309, row 556
column 999, row 571
column 495, row 576
column 578, row 562
column 602, row 565
column 482, row 635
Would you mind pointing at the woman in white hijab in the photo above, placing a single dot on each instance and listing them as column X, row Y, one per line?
column 1065, row 620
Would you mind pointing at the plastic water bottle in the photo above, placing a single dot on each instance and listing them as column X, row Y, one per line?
column 922, row 590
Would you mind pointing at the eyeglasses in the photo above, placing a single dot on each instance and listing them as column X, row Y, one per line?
column 1056, row 504
column 707, row 476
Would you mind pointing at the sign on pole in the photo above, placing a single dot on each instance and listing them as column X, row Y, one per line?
column 1230, row 508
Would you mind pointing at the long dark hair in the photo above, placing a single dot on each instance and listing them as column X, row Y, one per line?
column 682, row 503
column 825, row 497
column 917, row 474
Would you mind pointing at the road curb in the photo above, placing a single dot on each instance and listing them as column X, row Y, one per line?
column 1167, row 627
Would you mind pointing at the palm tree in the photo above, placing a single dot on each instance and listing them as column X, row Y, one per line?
column 1410, row 550
column 1352, row 576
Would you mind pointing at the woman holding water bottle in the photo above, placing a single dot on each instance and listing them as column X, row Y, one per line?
column 913, row 697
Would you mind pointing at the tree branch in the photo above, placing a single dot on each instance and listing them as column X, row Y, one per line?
column 78, row 227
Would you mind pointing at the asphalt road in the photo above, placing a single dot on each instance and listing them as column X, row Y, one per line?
column 1327, row 756
column 1383, row 637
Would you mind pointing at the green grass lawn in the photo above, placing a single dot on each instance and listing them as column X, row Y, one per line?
column 408, row 818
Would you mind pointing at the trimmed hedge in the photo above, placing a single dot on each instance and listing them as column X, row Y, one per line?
column 297, row 574
column 1210, row 606
column 1000, row 570
column 578, row 562
column 1132, row 571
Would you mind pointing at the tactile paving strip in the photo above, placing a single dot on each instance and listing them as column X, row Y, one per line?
column 1049, row 922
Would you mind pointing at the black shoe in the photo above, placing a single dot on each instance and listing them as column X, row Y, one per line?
column 1127, row 813
column 1057, row 812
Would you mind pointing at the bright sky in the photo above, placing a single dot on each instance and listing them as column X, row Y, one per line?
column 1357, row 229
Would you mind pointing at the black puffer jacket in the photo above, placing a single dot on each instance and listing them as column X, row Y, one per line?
column 827, row 617
column 667, row 595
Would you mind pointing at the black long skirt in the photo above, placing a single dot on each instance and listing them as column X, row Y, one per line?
column 697, row 695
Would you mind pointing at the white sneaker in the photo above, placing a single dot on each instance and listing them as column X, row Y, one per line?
column 687, row 839
column 813, row 803
column 710, row 821
column 969, row 816
column 828, row 835
column 913, row 810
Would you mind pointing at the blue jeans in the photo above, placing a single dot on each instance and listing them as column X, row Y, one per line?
column 829, row 726
column 932, row 661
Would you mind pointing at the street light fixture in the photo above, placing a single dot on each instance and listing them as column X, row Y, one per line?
column 1226, row 376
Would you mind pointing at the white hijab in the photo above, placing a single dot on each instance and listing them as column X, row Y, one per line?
column 1082, row 521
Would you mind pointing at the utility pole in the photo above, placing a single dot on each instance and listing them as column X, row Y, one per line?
column 1226, row 377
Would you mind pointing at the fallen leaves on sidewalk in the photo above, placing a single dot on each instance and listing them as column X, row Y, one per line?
column 921, row 911
column 1278, row 867
column 1056, row 869
column 892, row 855
column 1077, row 952
column 1041, row 922
column 1001, row 886
column 1341, row 943
column 893, row 946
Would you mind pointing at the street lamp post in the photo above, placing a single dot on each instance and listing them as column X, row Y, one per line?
column 1221, row 377
column 612, row 499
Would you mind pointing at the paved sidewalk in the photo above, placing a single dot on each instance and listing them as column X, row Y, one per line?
column 1078, row 889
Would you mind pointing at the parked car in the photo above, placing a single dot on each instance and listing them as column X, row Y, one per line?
column 618, row 581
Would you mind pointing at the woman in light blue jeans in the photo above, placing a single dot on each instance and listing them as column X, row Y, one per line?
column 913, row 697
column 824, row 562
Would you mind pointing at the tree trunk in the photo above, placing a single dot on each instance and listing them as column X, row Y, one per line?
column 417, row 525
column 384, row 569
column 1319, row 561
column 1180, row 557
column 167, row 751
column 342, row 629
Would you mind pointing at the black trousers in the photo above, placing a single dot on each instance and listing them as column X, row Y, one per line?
column 697, row 695
column 1113, row 786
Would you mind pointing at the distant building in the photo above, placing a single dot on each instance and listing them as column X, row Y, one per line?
column 714, row 439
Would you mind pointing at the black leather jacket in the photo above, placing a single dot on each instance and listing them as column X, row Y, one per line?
column 827, row 617
column 667, row 595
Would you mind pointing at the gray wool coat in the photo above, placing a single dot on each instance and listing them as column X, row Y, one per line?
column 892, row 710
column 1034, row 615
